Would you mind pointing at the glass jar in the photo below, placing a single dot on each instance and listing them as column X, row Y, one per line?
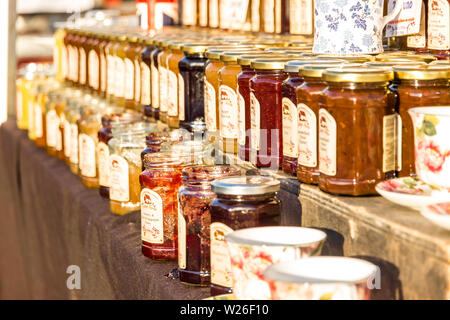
column 23, row 86
column 119, row 70
column 131, row 72
column 174, row 84
column 357, row 123
column 266, row 145
column 194, row 220
column 54, row 117
column 163, row 79
column 192, row 74
column 120, row 119
column 110, row 66
column 124, row 169
column 74, row 58
column 42, row 98
column 438, row 28
column 241, row 202
column 159, row 211
column 94, row 65
column 154, row 111
column 417, row 86
column 199, row 151
column 103, row 67
column 72, row 114
column 146, row 77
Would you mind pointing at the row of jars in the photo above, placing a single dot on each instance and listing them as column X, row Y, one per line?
column 169, row 176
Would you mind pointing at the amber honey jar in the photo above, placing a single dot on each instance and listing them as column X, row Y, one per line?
column 159, row 210
column 103, row 73
column 110, row 66
column 417, row 86
column 83, row 48
column 146, row 77
column 175, row 85
column 356, row 123
column 131, row 72
column 163, row 79
column 119, row 70
column 240, row 202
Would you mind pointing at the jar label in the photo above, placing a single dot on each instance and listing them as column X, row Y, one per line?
column 38, row 130
column 103, row 163
column 58, row 146
column 181, row 238
column 118, row 179
column 52, row 126
column 163, row 89
column 399, row 137
column 129, row 79
column 181, row 106
column 255, row 15
column 213, row 13
column 229, row 109
column 155, row 86
column 93, row 69
column 419, row 40
column 210, row 106
column 203, row 13
column 151, row 217
column 87, row 155
column 73, row 143
column 254, row 120
column 189, row 12
column 103, row 73
column 119, row 87
column 241, row 104
column 290, row 139
column 278, row 23
column 111, row 80
column 73, row 63
column 19, row 106
column 64, row 58
column 137, row 81
column 303, row 10
column 145, row 84
column 269, row 15
column 389, row 142
column 82, row 66
column 220, row 258
column 327, row 143
column 172, row 99
column 307, row 136
column 439, row 25
column 67, row 137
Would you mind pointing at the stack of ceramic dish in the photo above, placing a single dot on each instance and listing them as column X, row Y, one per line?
column 429, row 192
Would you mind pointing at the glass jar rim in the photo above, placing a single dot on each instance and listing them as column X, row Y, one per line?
column 208, row 173
column 166, row 159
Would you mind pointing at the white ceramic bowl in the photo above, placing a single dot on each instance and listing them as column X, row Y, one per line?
column 439, row 214
column 321, row 278
column 432, row 144
column 252, row 250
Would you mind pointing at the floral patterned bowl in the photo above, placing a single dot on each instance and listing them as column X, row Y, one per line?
column 432, row 144
column 439, row 214
column 321, row 278
column 252, row 250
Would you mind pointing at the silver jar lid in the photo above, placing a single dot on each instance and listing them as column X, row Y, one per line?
column 245, row 185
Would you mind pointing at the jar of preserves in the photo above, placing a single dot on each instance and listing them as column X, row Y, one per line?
column 438, row 28
column 54, row 117
column 93, row 62
column 194, row 219
column 241, row 202
column 118, row 118
column 110, row 66
column 23, row 86
column 119, row 70
column 174, row 85
column 42, row 99
column 192, row 75
column 159, row 211
column 103, row 65
column 266, row 145
column 418, row 42
column 154, row 111
column 163, row 79
column 146, row 77
column 71, row 116
column 357, row 124
column 417, row 86
column 82, row 58
column 124, row 168
column 199, row 151
column 131, row 72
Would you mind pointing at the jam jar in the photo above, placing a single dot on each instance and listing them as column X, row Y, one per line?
column 357, row 124
column 42, row 99
column 110, row 66
column 417, row 86
column 124, row 168
column 307, row 111
column 438, row 30
column 119, row 70
column 132, row 71
column 154, row 111
column 192, row 74
column 159, row 210
column 174, row 83
column 71, row 114
column 120, row 119
column 93, row 63
column 266, row 145
column 146, row 77
column 194, row 219
column 241, row 202
column 163, row 79
column 82, row 59
column 53, row 112
column 103, row 73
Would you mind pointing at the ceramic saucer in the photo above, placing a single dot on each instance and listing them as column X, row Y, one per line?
column 438, row 213
column 412, row 192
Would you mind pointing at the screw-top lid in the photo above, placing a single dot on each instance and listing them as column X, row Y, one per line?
column 350, row 58
column 269, row 63
column 427, row 72
column 316, row 69
column 245, row 185
column 388, row 64
column 295, row 65
column 356, row 74
column 405, row 57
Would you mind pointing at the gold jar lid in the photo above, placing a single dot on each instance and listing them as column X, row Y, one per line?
column 121, row 37
column 295, row 64
column 132, row 38
column 232, row 56
column 358, row 75
column 269, row 63
column 192, row 48
column 175, row 45
column 361, row 58
column 316, row 69
column 394, row 63
column 263, row 44
column 402, row 57
column 162, row 43
column 148, row 41
column 441, row 62
column 246, row 59
column 427, row 72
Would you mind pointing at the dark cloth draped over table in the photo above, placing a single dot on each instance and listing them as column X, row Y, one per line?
column 50, row 221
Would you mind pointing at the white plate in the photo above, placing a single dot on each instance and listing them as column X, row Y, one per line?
column 438, row 214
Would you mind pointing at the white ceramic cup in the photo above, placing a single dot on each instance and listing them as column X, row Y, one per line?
column 350, row 26
column 321, row 278
column 432, row 144
column 252, row 250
